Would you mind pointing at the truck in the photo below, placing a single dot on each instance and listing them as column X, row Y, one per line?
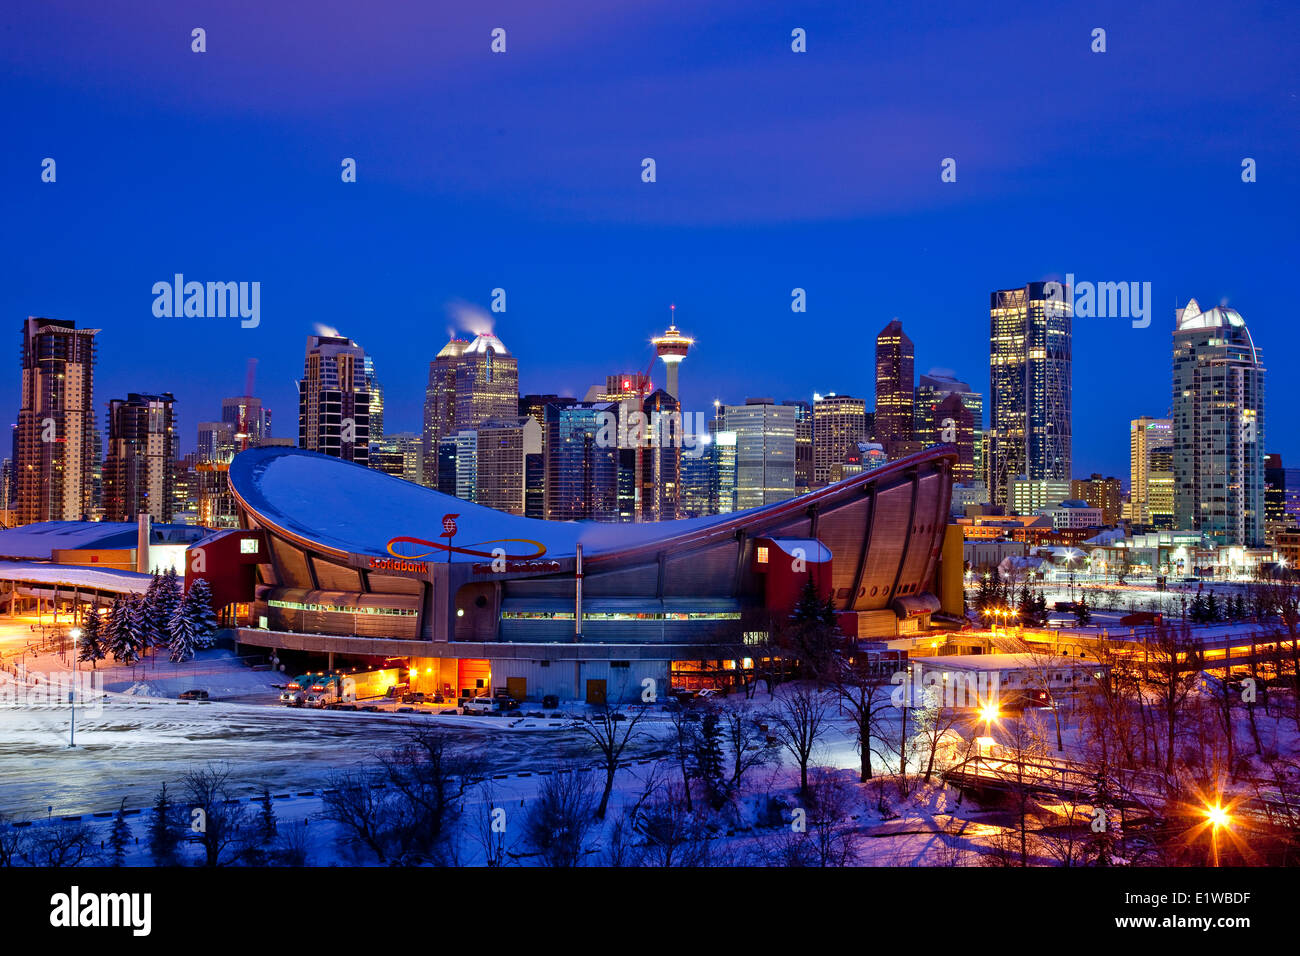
column 295, row 694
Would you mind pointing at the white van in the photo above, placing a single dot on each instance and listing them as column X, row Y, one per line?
column 482, row 706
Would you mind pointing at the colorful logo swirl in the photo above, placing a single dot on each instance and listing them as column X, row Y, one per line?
column 441, row 548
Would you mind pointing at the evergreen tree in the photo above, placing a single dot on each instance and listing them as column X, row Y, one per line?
column 119, row 836
column 1196, row 610
column 1213, row 613
column 90, row 649
column 123, row 640
column 199, row 600
column 1082, row 613
column 181, row 628
column 707, row 765
column 164, row 833
column 167, row 601
column 266, row 821
column 1040, row 609
column 146, row 616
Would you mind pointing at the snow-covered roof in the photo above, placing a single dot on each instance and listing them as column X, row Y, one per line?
column 70, row 576
column 341, row 506
column 40, row 540
column 358, row 510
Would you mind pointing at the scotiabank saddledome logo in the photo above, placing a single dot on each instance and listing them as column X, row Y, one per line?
column 507, row 548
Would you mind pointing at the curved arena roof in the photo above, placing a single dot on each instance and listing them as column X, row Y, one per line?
column 333, row 505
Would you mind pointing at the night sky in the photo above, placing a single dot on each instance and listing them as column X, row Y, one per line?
column 775, row 170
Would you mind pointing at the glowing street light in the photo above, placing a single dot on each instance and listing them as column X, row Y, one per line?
column 1219, row 818
column 75, row 634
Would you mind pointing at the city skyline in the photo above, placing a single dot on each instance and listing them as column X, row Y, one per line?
column 585, row 250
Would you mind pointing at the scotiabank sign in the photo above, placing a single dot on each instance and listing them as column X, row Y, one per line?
column 399, row 565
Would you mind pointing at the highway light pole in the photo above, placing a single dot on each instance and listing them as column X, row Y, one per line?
column 75, row 634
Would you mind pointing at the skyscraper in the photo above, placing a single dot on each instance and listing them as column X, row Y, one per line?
column 1275, row 515
column 895, row 390
column 140, row 459
column 581, row 468
column 333, row 399
column 1151, row 471
column 839, row 422
column 803, row 444
column 1029, row 388
column 54, row 448
column 504, row 445
column 660, row 458
column 440, row 405
column 954, row 424
column 251, row 422
column 1218, row 422
column 765, row 450
column 487, row 382
column 931, row 389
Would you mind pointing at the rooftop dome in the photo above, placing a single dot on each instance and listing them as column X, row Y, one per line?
column 484, row 341
column 453, row 348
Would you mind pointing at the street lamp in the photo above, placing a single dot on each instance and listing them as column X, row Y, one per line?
column 1218, row 816
column 75, row 634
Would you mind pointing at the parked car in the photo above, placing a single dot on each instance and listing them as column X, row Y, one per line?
column 550, row 701
column 193, row 695
column 415, row 697
column 483, row 706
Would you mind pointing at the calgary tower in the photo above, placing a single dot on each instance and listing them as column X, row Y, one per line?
column 672, row 347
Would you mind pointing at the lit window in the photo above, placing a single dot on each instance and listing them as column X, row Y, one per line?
column 762, row 554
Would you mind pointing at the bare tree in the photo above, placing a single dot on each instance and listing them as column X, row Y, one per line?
column 61, row 844
column 674, row 836
column 430, row 775
column 747, row 741
column 13, row 840
column 830, row 803
column 865, row 690
column 799, row 722
column 1173, row 660
column 559, row 819
column 223, row 822
column 610, row 731
column 362, row 809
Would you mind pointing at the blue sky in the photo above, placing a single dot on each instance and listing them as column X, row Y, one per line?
column 775, row 170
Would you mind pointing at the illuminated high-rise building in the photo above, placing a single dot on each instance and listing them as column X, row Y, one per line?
column 1218, row 423
column 1029, row 387
column 247, row 412
column 502, row 451
column 955, row 425
column 839, row 422
column 440, row 405
column 54, row 444
column 931, row 389
column 765, row 450
column 1151, row 471
column 803, row 444
column 334, row 399
column 582, row 467
column 140, row 458
column 487, row 382
column 895, row 391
